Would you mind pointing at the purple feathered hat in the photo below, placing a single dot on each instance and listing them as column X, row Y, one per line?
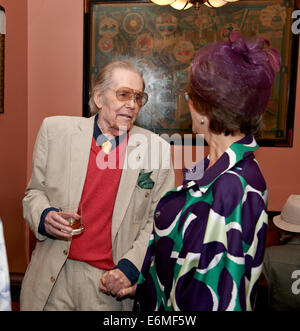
column 236, row 75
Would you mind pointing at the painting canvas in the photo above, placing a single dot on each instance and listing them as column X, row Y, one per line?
column 163, row 41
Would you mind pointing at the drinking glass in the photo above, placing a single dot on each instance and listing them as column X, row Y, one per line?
column 73, row 214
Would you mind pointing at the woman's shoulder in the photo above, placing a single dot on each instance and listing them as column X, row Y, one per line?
column 227, row 192
column 233, row 186
column 250, row 171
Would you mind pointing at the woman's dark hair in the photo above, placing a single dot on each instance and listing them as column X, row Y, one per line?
column 225, row 121
column 231, row 82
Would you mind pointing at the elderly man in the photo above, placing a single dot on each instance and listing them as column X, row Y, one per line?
column 114, row 190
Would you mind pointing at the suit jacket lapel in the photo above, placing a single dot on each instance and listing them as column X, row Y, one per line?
column 79, row 158
column 127, row 185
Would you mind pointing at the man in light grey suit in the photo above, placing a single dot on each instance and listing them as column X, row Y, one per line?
column 72, row 170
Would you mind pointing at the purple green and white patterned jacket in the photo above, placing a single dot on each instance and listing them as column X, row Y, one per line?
column 207, row 247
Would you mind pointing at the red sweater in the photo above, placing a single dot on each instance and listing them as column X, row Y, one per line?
column 94, row 245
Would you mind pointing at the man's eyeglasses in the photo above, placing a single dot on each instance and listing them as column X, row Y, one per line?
column 126, row 93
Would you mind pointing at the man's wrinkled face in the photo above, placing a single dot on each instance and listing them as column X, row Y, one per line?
column 116, row 115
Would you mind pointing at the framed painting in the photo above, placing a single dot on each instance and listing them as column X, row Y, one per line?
column 162, row 41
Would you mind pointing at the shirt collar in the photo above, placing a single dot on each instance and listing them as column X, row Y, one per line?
column 100, row 138
column 204, row 177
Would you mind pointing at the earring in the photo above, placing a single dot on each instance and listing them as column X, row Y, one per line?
column 202, row 122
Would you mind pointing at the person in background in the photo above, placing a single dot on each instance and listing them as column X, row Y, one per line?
column 102, row 166
column 282, row 263
column 5, row 299
column 206, row 251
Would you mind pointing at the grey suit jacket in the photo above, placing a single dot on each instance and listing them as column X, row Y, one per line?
column 60, row 162
column 282, row 271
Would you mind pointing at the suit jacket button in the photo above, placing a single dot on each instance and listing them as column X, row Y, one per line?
column 65, row 252
column 146, row 195
column 52, row 279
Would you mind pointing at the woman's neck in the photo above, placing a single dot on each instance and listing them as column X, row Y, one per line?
column 219, row 143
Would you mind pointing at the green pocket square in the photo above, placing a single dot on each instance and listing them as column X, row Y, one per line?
column 144, row 180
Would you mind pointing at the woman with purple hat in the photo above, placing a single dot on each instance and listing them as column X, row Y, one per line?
column 207, row 247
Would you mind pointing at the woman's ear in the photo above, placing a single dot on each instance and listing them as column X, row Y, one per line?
column 98, row 100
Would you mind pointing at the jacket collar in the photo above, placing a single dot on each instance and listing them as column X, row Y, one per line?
column 204, row 178
column 100, row 138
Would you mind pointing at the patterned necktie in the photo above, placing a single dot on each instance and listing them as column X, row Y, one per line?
column 106, row 147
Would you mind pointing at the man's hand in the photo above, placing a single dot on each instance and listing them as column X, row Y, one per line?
column 57, row 225
column 127, row 292
column 113, row 281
